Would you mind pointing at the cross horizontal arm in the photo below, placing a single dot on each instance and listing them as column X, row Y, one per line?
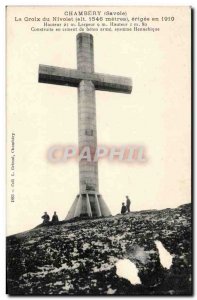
column 71, row 77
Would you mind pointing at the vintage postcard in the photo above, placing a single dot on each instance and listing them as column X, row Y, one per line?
column 99, row 150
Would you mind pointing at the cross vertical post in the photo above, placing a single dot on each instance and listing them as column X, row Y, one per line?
column 88, row 172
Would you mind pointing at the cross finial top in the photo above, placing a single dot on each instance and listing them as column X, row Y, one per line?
column 85, row 52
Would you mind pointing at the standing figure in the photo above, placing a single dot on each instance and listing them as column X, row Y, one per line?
column 123, row 209
column 55, row 218
column 128, row 203
column 45, row 218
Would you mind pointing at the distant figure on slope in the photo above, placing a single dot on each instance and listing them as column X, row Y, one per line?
column 45, row 218
column 128, row 203
column 123, row 209
column 55, row 218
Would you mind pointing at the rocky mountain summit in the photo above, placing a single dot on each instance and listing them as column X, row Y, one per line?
column 79, row 258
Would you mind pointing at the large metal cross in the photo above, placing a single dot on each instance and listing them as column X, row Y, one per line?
column 88, row 202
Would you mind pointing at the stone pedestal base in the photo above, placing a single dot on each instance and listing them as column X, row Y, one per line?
column 90, row 205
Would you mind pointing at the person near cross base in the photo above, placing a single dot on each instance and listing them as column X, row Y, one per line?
column 128, row 203
column 123, row 209
column 55, row 218
column 45, row 218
